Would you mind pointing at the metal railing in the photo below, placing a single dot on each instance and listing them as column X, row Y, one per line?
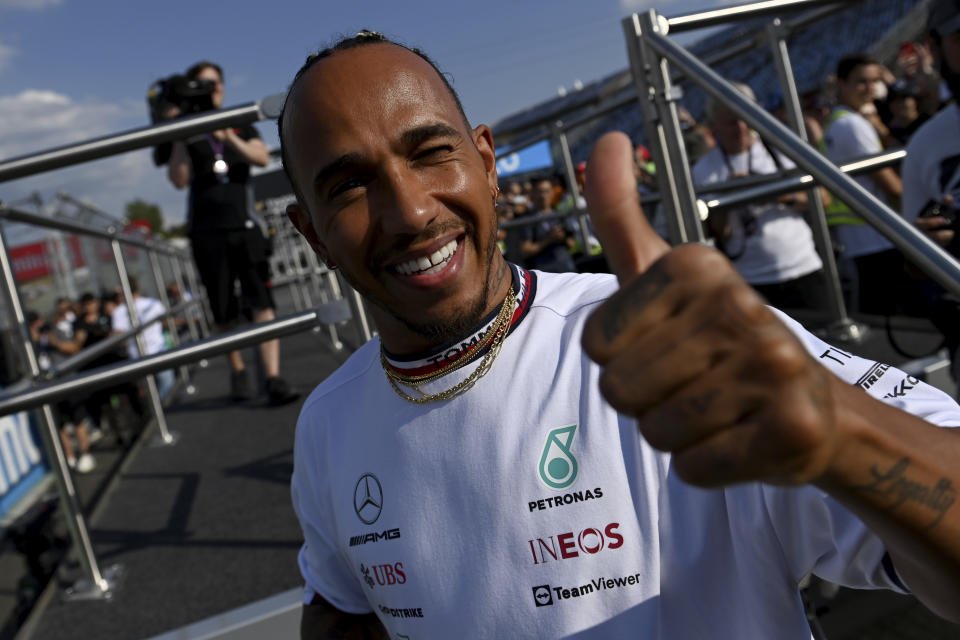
column 651, row 53
column 43, row 392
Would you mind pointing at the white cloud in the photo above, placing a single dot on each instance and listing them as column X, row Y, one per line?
column 29, row 4
column 6, row 55
column 36, row 120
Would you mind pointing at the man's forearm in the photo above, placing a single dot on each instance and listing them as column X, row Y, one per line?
column 901, row 476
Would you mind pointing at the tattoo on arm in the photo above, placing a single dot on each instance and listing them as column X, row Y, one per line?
column 894, row 484
column 627, row 303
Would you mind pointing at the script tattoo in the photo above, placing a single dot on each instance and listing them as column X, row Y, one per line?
column 894, row 484
column 626, row 303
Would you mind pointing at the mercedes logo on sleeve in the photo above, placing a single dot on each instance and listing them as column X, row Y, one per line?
column 368, row 498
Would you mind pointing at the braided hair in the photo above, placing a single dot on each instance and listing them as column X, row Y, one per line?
column 364, row 37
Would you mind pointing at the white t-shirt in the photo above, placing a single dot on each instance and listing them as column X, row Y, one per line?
column 529, row 508
column 931, row 169
column 849, row 137
column 147, row 310
column 776, row 242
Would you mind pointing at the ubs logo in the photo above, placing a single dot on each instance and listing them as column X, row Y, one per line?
column 368, row 498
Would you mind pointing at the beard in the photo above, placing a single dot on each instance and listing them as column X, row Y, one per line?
column 461, row 320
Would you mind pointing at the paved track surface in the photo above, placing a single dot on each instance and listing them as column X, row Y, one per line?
column 206, row 526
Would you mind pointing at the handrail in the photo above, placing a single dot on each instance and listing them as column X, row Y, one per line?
column 701, row 19
column 751, row 186
column 92, row 352
column 71, row 226
column 800, row 181
column 926, row 254
column 65, row 156
column 46, row 393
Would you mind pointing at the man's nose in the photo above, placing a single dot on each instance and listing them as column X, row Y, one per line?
column 407, row 205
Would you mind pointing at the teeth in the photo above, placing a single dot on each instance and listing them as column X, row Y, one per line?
column 427, row 265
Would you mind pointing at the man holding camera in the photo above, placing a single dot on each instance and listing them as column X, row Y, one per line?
column 931, row 173
column 227, row 244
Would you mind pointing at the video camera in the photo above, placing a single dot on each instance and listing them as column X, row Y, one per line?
column 188, row 95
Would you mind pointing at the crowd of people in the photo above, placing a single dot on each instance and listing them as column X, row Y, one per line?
column 75, row 325
column 862, row 108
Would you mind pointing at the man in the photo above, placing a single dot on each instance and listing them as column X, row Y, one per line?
column 931, row 172
column 546, row 244
column 147, row 310
column 226, row 243
column 769, row 243
column 871, row 265
column 463, row 472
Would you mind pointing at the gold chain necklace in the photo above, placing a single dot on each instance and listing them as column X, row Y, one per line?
column 498, row 330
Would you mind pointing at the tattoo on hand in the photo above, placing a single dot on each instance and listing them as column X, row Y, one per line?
column 632, row 301
column 894, row 484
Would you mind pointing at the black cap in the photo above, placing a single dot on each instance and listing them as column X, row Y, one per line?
column 944, row 17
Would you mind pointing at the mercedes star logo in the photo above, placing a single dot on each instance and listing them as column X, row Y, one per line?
column 368, row 498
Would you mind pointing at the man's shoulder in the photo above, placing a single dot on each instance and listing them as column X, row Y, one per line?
column 350, row 372
column 937, row 132
column 705, row 166
column 567, row 293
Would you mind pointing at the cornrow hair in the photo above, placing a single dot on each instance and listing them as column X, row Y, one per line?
column 362, row 38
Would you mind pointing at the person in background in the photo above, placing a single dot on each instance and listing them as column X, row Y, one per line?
column 147, row 310
column 546, row 245
column 905, row 115
column 52, row 344
column 769, row 243
column 871, row 268
column 227, row 245
column 931, row 176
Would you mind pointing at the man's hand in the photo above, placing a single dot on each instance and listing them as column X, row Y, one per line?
column 937, row 229
column 692, row 352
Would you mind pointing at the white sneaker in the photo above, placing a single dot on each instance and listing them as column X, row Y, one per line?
column 96, row 435
column 72, row 463
column 86, row 463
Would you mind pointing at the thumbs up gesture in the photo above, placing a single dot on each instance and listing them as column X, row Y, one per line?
column 693, row 353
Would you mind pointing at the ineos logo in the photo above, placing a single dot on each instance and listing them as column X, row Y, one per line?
column 368, row 498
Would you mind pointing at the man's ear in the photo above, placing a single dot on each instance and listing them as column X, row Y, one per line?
column 304, row 224
column 483, row 139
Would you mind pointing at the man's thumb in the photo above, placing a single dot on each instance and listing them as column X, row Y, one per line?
column 629, row 242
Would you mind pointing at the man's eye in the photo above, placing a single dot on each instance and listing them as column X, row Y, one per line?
column 435, row 151
column 345, row 186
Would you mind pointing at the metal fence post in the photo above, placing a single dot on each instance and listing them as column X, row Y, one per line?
column 166, row 438
column 206, row 317
column 570, row 174
column 841, row 326
column 171, row 323
column 190, row 314
column 97, row 584
column 658, row 98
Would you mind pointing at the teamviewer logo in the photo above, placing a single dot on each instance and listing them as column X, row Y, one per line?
column 542, row 596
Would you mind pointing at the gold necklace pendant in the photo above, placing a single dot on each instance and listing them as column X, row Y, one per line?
column 498, row 331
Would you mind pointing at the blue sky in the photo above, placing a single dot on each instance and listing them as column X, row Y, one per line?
column 72, row 69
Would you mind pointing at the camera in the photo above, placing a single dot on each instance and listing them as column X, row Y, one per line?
column 949, row 211
column 188, row 95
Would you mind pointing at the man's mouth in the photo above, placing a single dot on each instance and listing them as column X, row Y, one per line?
column 427, row 265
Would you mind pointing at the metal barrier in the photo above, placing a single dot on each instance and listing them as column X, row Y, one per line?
column 41, row 394
column 651, row 52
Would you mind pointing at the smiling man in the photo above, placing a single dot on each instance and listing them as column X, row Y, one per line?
column 524, row 455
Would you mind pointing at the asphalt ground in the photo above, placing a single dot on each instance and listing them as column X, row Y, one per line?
column 205, row 526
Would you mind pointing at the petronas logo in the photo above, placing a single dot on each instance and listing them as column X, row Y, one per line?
column 558, row 467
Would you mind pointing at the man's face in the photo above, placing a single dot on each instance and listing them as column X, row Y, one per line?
column 209, row 73
column 857, row 89
column 732, row 134
column 542, row 195
column 396, row 190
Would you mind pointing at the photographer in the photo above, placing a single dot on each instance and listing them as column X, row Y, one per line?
column 931, row 174
column 227, row 244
